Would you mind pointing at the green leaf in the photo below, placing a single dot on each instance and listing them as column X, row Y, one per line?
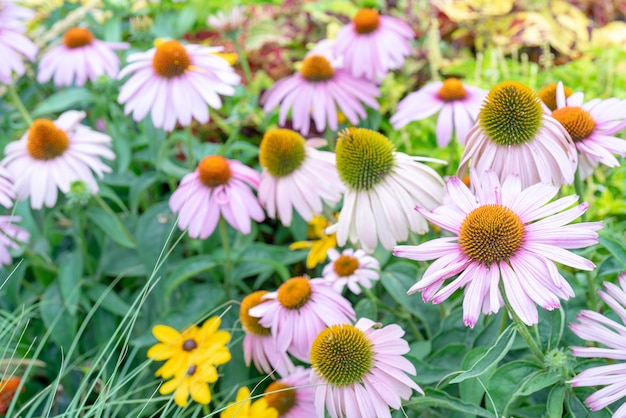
column 139, row 186
column 365, row 308
column 615, row 248
column 111, row 302
column 440, row 399
column 152, row 232
column 187, row 269
column 70, row 98
column 506, row 380
column 70, row 275
column 111, row 226
column 492, row 357
column 186, row 19
column 554, row 406
column 472, row 391
column 62, row 327
column 539, row 380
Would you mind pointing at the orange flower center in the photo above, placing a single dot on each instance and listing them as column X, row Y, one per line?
column 548, row 95
column 214, row 171
column 294, row 293
column 280, row 396
column 45, row 140
column 366, row 21
column 490, row 234
column 77, row 37
column 577, row 121
column 345, row 265
column 170, row 59
column 250, row 323
column 316, row 68
column 451, row 90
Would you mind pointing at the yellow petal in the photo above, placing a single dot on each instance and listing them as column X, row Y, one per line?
column 260, row 409
column 181, row 396
column 210, row 325
column 161, row 351
column 169, row 386
column 200, row 392
column 300, row 245
column 165, row 334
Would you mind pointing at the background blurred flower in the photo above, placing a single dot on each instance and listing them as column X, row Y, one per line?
column 318, row 242
column 292, row 396
column 10, row 236
column 228, row 20
column 13, row 44
column 350, row 269
column 8, row 388
column 7, row 189
column 243, row 407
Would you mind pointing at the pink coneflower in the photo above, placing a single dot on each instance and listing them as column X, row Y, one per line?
column 52, row 155
column 218, row 187
column 7, row 189
column 299, row 310
column 359, row 371
column 79, row 58
column 296, row 176
column 372, row 44
column 383, row 187
column 457, row 103
column 317, row 90
column 593, row 326
column 13, row 44
column 351, row 269
column 292, row 396
column 259, row 346
column 176, row 82
column 10, row 235
column 592, row 126
column 514, row 136
column 507, row 238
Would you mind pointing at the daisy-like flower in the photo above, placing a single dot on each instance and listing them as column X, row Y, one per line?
column 593, row 326
column 218, row 187
column 383, row 187
column 10, row 236
column 296, row 175
column 178, row 348
column 507, row 239
column 292, row 396
column 13, row 44
column 592, row 126
column 299, row 310
column 51, row 155
column 176, row 82
column 259, row 346
column 7, row 189
column 317, row 90
column 350, row 269
column 458, row 106
column 194, row 381
column 372, row 44
column 548, row 95
column 318, row 244
column 81, row 57
column 359, row 371
column 243, row 407
column 228, row 21
column 513, row 135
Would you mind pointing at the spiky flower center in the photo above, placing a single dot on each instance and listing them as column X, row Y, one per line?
column 170, row 59
column 250, row 323
column 214, row 171
column 317, row 68
column 511, row 114
column 364, row 157
column 280, row 396
column 490, row 234
column 281, row 152
column 366, row 21
column 548, row 95
column 342, row 354
column 77, row 37
column 451, row 90
column 189, row 344
column 45, row 140
column 576, row 120
column 294, row 293
column 345, row 265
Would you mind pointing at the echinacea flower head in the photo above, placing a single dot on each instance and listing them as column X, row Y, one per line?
column 79, row 58
column 10, row 236
column 318, row 243
column 548, row 95
column 8, row 388
column 598, row 328
column 372, row 44
column 51, row 155
column 351, row 269
column 259, row 346
column 299, row 310
column 457, row 103
column 319, row 90
column 383, row 186
column 13, row 44
column 592, row 126
column 513, row 135
column 175, row 83
column 359, row 370
column 506, row 239
column 296, row 176
column 7, row 189
column 178, row 348
column 194, row 381
column 218, row 187
column 243, row 407
column 292, row 396
column 229, row 20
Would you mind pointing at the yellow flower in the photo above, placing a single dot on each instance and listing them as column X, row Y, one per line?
column 320, row 246
column 244, row 408
column 194, row 381
column 177, row 348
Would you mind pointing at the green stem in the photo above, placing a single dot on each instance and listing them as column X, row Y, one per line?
column 190, row 159
column 452, row 158
column 228, row 267
column 234, row 133
column 205, row 410
column 78, row 221
column 330, row 137
column 19, row 104
column 522, row 328
column 242, row 56
column 580, row 190
column 37, row 261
